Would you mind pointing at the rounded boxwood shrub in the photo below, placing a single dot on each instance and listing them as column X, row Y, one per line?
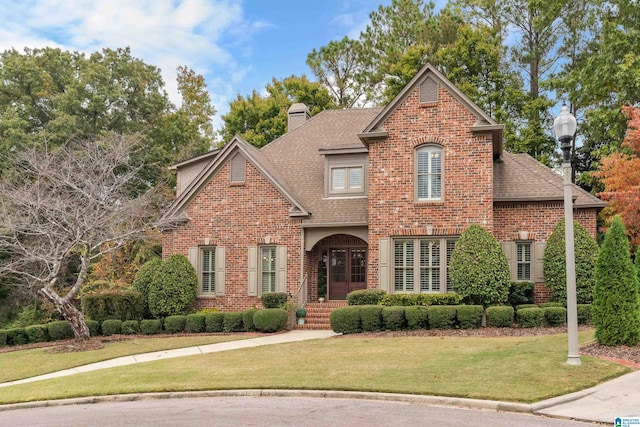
column 247, row 319
column 469, row 316
column 522, row 306
column 175, row 324
column 365, row 297
column 521, row 293
column 214, row 322
column 232, row 322
column 270, row 319
column 393, row 318
column 416, row 316
column 615, row 311
column 371, row 318
column 130, row 327
column 175, row 289
column 441, row 316
column 37, row 333
column 531, row 317
column 274, row 299
column 17, row 336
column 500, row 316
column 584, row 314
column 479, row 270
column 150, row 326
column 94, row 327
column 194, row 323
column 113, row 303
column 555, row 316
column 111, row 327
column 146, row 277
column 60, row 330
column 554, row 267
column 346, row 320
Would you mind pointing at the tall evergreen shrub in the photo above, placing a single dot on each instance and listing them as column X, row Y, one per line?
column 146, row 277
column 176, row 288
column 555, row 271
column 616, row 300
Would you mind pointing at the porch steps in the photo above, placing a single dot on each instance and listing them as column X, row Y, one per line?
column 318, row 314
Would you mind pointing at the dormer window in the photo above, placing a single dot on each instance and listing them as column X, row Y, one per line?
column 346, row 179
column 428, row 173
column 345, row 173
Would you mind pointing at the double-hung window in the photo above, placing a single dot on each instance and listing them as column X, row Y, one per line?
column 421, row 264
column 523, row 261
column 428, row 173
column 208, row 270
column 268, row 268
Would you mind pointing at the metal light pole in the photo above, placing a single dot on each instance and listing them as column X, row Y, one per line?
column 565, row 128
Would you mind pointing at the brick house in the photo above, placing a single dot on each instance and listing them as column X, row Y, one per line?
column 368, row 198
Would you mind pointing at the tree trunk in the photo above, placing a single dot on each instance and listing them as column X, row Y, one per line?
column 70, row 313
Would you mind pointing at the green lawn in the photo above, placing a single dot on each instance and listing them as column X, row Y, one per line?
column 521, row 369
column 17, row 365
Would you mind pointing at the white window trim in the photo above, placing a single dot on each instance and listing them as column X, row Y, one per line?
column 428, row 148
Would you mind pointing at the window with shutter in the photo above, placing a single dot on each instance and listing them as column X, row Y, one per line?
column 207, row 270
column 268, row 269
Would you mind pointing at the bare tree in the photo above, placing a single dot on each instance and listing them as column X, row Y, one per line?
column 63, row 208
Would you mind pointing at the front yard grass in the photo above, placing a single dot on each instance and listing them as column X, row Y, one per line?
column 519, row 369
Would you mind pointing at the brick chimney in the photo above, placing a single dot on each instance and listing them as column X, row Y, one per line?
column 298, row 114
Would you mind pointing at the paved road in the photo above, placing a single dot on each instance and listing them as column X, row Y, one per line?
column 266, row 411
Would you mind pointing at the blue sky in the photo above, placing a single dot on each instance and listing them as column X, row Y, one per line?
column 237, row 45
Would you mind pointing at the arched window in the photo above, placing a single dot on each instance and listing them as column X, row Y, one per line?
column 428, row 173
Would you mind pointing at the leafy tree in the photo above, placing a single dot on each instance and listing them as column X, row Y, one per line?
column 65, row 207
column 620, row 176
column 616, row 299
column 555, row 271
column 261, row 119
column 479, row 270
column 176, row 288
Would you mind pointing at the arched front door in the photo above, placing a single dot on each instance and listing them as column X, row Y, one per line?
column 347, row 271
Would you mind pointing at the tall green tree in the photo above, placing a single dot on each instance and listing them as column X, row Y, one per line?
column 261, row 119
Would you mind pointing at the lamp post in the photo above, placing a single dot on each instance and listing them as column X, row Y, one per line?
column 565, row 128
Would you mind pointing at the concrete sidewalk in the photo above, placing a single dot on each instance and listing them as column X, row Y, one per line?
column 602, row 404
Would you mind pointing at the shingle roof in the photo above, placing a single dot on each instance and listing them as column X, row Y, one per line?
column 296, row 157
column 520, row 177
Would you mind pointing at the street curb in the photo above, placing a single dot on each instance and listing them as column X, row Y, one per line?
column 456, row 402
column 566, row 398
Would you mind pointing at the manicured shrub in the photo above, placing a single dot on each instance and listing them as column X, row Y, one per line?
column 115, row 303
column 441, row 316
column 371, row 318
column 233, row 322
column 274, row 299
column 555, row 316
column 551, row 304
column 365, row 297
column 616, row 304
column 407, row 300
column 554, row 267
column 111, row 327
column 500, row 316
column 130, row 327
column 150, row 326
column 214, row 322
column 346, row 320
column 94, row 327
column 175, row 289
column 3, row 338
column 393, row 318
column 270, row 319
column 175, row 324
column 469, row 316
column 479, row 270
column 194, row 323
column 17, row 336
column 584, row 314
column 416, row 316
column 521, row 293
column 37, row 333
column 146, row 277
column 60, row 330
column 247, row 319
column 531, row 317
column 521, row 306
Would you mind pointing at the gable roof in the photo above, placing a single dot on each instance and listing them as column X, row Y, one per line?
column 484, row 124
column 520, row 177
column 253, row 155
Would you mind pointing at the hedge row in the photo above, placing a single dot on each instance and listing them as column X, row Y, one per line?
column 267, row 320
column 372, row 318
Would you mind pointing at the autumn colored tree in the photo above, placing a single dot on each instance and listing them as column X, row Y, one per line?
column 620, row 176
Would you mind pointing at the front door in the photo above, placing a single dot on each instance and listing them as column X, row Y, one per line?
column 347, row 271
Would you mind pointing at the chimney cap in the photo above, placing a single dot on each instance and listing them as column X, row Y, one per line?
column 298, row 108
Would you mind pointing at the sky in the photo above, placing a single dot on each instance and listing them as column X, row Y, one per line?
column 238, row 46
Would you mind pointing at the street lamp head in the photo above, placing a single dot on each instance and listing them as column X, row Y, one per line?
column 565, row 128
